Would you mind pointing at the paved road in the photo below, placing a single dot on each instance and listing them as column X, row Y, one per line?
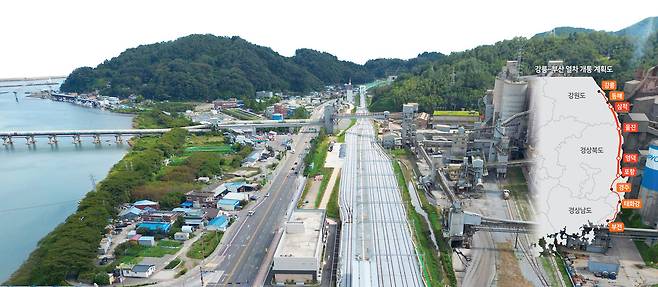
column 237, row 260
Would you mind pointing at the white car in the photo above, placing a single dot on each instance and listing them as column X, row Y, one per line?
column 251, row 212
column 267, row 194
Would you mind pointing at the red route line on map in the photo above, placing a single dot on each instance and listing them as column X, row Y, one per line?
column 619, row 152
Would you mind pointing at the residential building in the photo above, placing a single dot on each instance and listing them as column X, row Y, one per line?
column 130, row 213
column 219, row 223
column 226, row 104
column 264, row 94
column 280, row 108
column 201, row 198
column 193, row 216
column 142, row 204
column 228, row 204
column 140, row 271
column 160, row 216
column 236, row 196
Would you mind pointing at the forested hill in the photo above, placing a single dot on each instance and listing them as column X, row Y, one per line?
column 199, row 67
column 207, row 67
column 459, row 80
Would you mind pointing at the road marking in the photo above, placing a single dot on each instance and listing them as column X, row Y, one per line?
column 269, row 208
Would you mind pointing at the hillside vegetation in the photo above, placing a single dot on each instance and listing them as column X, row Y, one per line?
column 207, row 67
column 436, row 87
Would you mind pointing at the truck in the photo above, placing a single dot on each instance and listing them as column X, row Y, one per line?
column 506, row 193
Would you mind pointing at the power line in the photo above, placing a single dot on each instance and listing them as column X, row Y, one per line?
column 36, row 206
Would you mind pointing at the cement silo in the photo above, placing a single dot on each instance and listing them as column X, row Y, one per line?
column 510, row 92
column 649, row 187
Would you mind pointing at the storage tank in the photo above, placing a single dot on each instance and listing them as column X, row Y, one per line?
column 649, row 187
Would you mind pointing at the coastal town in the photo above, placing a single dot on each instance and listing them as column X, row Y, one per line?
column 285, row 144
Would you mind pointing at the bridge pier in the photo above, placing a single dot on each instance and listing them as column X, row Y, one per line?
column 76, row 139
column 7, row 141
column 118, row 139
column 97, row 139
column 52, row 139
column 30, row 140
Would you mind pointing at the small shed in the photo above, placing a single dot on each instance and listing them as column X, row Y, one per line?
column 181, row 236
column 228, row 204
column 146, row 241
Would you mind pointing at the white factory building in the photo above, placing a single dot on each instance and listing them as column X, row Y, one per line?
column 298, row 256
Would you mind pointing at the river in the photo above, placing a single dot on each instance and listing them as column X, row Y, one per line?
column 40, row 186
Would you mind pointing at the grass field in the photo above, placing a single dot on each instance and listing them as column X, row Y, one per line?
column 210, row 148
column 649, row 254
column 332, row 206
column 134, row 253
column 518, row 187
column 326, row 174
column 241, row 115
column 341, row 136
column 205, row 245
column 435, row 221
column 457, row 113
column 315, row 158
column 173, row 263
column 431, row 264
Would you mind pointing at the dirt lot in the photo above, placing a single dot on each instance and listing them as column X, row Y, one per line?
column 509, row 273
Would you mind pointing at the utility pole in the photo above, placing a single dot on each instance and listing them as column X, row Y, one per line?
column 203, row 258
column 93, row 182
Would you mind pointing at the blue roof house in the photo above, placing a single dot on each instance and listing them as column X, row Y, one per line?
column 219, row 223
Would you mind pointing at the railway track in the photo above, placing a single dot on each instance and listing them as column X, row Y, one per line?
column 524, row 244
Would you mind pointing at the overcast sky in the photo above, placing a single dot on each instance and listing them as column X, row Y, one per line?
column 41, row 38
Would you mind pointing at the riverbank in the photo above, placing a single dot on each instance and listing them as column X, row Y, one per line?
column 68, row 252
column 43, row 183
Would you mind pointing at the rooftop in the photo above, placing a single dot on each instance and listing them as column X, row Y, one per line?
column 228, row 202
column 221, row 220
column 154, row 225
column 457, row 113
column 235, row 196
column 141, row 268
column 145, row 202
column 303, row 231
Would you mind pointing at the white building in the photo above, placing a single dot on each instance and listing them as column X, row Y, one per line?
column 181, row 236
column 298, row 257
column 140, row 271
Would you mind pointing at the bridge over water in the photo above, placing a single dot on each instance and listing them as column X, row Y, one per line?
column 52, row 135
